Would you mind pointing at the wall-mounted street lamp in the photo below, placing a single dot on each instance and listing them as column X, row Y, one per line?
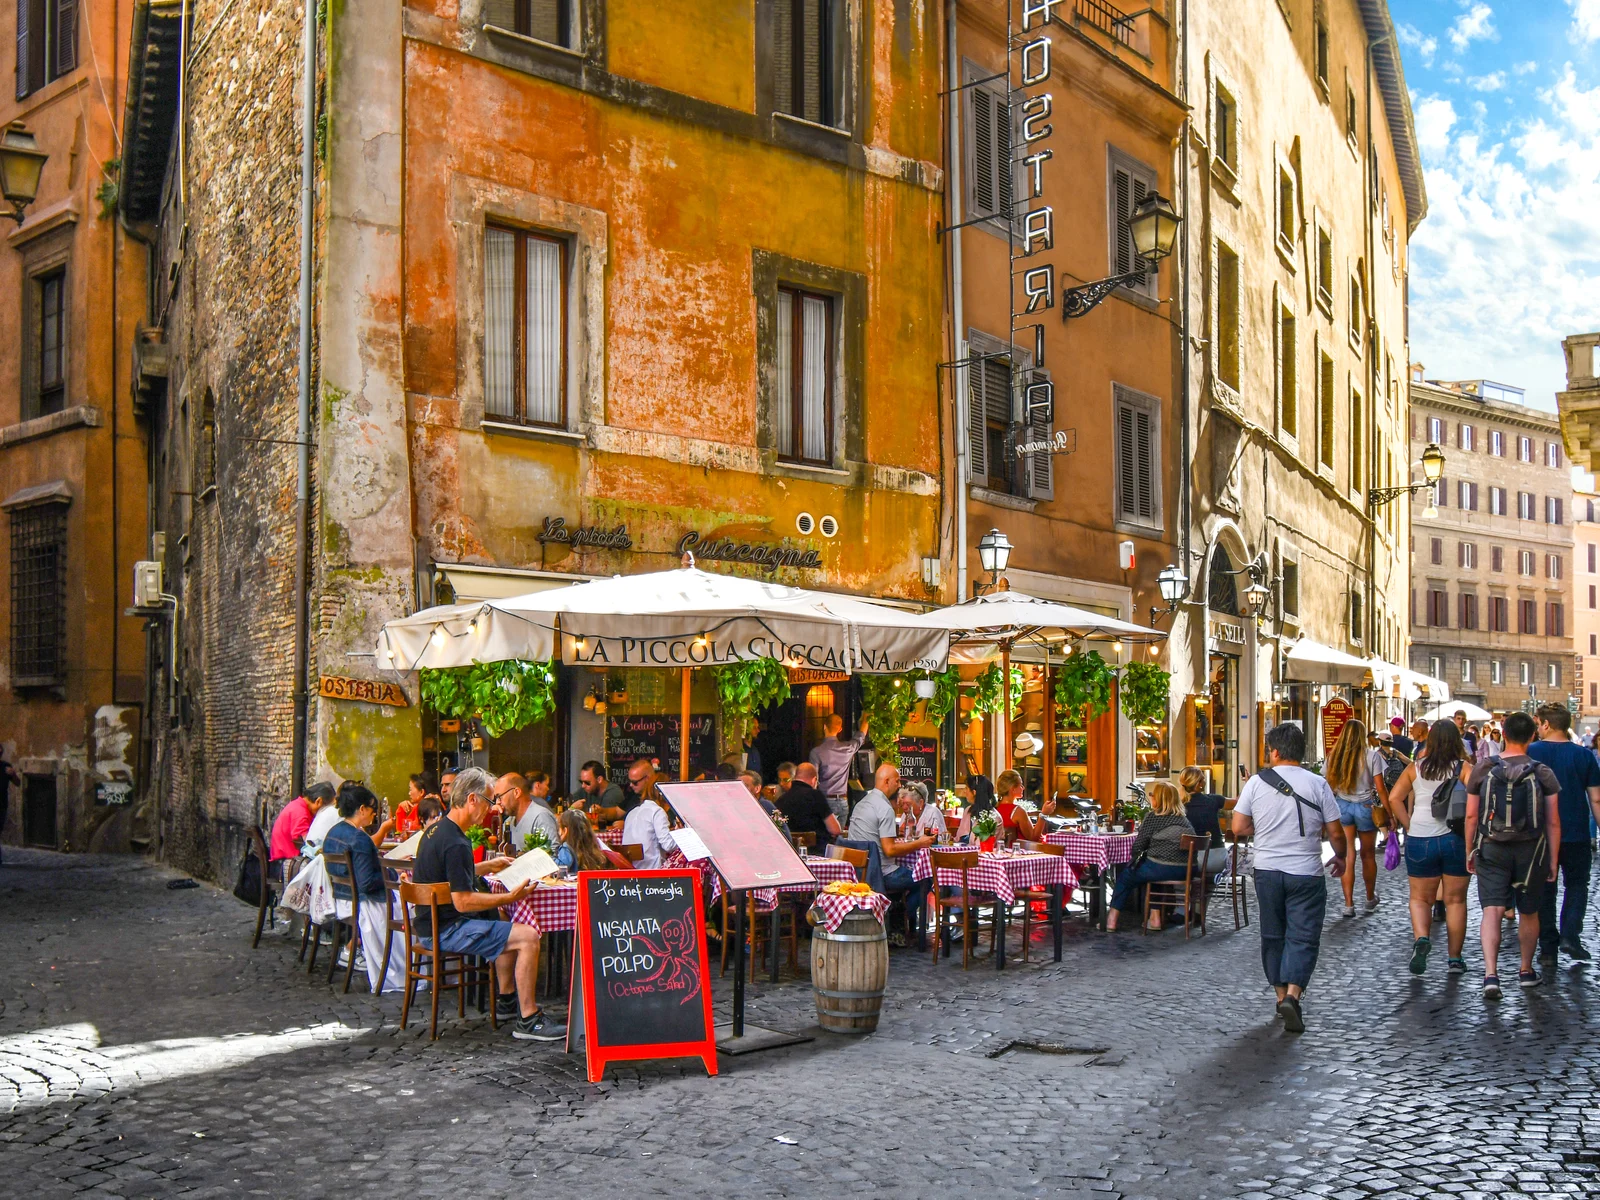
column 21, row 164
column 1432, row 469
column 994, row 552
column 1174, row 586
column 1255, row 599
column 1154, row 226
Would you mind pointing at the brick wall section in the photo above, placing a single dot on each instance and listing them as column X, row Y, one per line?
column 232, row 325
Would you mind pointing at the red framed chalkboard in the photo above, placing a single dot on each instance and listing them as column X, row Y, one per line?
column 640, row 988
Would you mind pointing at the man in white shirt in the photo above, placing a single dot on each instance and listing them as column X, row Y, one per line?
column 646, row 825
column 1288, row 811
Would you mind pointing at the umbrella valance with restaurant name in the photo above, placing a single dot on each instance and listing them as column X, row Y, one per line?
column 682, row 618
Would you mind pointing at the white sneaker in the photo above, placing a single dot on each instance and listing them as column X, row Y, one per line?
column 1349, row 910
column 1372, row 904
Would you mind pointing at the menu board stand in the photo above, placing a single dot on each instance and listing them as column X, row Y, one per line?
column 639, row 984
column 748, row 853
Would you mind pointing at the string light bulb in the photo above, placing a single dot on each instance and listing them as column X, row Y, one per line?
column 701, row 642
column 472, row 625
column 578, row 644
column 437, row 637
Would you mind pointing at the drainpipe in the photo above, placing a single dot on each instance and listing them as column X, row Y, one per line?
column 302, row 496
column 1369, row 615
column 952, row 180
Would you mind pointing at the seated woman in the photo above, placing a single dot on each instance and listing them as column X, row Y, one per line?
column 580, row 850
column 1158, row 853
column 1019, row 825
column 1204, row 810
column 365, row 893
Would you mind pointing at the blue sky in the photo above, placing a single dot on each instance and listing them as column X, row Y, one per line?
column 1506, row 95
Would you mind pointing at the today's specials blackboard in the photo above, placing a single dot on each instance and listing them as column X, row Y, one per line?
column 639, row 981
column 655, row 736
column 919, row 758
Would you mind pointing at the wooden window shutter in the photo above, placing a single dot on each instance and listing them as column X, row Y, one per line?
column 1041, row 475
column 1122, row 248
column 977, row 434
column 24, row 45
column 984, row 175
column 1136, row 496
column 66, row 36
column 502, row 14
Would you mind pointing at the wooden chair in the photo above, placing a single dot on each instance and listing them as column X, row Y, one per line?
column 1032, row 896
column 808, row 840
column 856, row 858
column 963, row 861
column 351, row 923
column 1190, row 891
column 1238, row 891
column 396, row 924
column 440, row 969
column 633, row 852
column 269, row 898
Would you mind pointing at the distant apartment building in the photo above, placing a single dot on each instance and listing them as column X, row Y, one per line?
column 1492, row 556
column 1586, row 607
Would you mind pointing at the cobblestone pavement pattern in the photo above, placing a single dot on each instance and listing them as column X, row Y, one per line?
column 146, row 1050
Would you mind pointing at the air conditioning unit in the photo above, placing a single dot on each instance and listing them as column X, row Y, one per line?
column 147, row 585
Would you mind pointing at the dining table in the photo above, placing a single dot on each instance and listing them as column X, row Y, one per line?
column 1003, row 874
column 1101, row 854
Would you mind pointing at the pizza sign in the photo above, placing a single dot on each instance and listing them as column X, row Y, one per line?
column 1336, row 713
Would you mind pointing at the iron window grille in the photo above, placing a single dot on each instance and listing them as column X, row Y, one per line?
column 38, row 595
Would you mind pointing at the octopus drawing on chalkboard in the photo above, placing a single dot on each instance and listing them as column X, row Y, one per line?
column 677, row 963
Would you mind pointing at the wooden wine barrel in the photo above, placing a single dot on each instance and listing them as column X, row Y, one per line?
column 848, row 971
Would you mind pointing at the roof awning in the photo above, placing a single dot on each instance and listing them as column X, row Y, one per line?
column 1311, row 662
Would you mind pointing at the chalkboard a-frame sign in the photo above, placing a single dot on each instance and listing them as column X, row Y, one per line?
column 639, row 983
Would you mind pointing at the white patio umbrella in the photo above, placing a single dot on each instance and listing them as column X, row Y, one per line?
column 1004, row 618
column 684, row 618
column 1444, row 712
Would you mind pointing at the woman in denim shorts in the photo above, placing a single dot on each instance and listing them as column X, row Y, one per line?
column 1433, row 850
column 1354, row 771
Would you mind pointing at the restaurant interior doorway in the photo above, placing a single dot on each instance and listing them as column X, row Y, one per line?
column 789, row 731
column 1224, row 691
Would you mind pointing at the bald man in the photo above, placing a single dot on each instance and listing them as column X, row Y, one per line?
column 806, row 809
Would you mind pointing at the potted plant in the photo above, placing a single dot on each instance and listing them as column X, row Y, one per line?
column 479, row 837
column 537, row 840
column 986, row 827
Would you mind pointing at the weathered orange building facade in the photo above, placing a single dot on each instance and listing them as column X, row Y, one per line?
column 632, row 268
column 72, row 463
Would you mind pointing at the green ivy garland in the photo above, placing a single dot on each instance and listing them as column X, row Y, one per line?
column 504, row 695
column 1145, row 688
column 745, row 688
column 887, row 701
column 1083, row 687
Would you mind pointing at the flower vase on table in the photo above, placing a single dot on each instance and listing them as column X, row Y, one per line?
column 479, row 837
column 986, row 828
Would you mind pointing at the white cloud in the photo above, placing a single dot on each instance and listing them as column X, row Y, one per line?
column 1502, row 269
column 1585, row 19
column 1526, row 68
column 1477, row 24
column 1492, row 82
column 1424, row 45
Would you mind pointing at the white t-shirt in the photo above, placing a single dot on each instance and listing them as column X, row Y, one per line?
column 1280, row 846
column 1365, row 792
column 1423, row 824
column 327, row 817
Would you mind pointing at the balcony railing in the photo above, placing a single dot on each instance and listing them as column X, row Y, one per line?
column 1108, row 19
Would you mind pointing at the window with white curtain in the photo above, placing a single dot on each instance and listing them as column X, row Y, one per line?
column 804, row 420
column 525, row 325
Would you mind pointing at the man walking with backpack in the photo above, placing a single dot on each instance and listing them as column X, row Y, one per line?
column 1512, row 820
column 1289, row 810
column 1578, row 774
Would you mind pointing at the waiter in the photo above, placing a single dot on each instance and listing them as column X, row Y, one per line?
column 833, row 757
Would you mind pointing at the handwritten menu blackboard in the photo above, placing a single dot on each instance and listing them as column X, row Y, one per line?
column 656, row 736
column 919, row 758
column 639, row 981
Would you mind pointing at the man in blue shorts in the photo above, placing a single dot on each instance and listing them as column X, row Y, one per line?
column 445, row 856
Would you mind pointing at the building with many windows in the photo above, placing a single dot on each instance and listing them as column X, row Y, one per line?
column 1301, row 184
column 72, row 463
column 1586, row 607
column 1492, row 557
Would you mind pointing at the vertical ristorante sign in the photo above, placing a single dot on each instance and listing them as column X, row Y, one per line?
column 1028, row 67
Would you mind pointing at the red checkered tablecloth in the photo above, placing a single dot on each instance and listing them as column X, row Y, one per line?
column 833, row 909
column 1004, row 874
column 549, row 908
column 823, row 871
column 611, row 837
column 1103, row 850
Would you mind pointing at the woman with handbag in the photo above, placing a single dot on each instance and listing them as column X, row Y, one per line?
column 1351, row 769
column 1435, row 849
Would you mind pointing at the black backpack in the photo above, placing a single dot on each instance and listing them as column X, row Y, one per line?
column 1512, row 802
column 1394, row 766
column 249, row 885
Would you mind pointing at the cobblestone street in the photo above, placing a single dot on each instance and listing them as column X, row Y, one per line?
column 146, row 1050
